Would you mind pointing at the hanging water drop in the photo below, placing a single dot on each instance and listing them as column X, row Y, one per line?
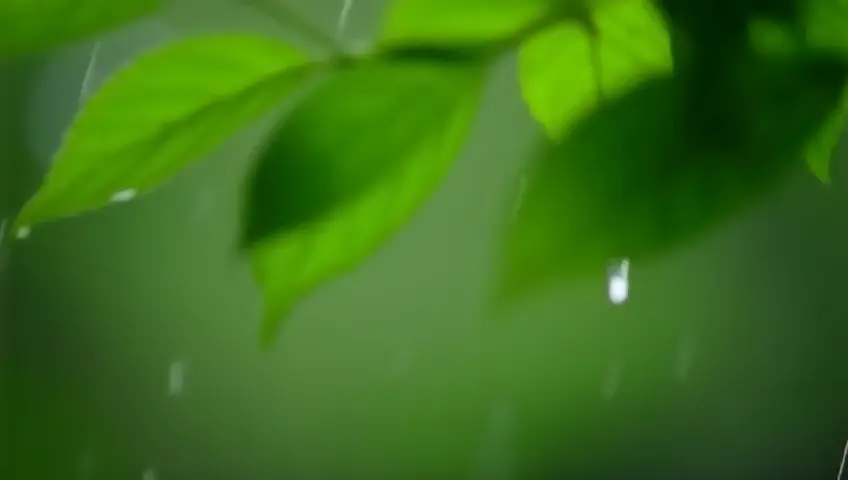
column 23, row 233
column 149, row 474
column 123, row 195
column 618, row 283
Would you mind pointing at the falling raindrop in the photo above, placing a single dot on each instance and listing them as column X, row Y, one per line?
column 85, row 88
column 176, row 377
column 149, row 474
column 519, row 197
column 496, row 455
column 684, row 360
column 123, row 195
column 618, row 282
column 612, row 379
column 343, row 16
column 203, row 205
column 401, row 363
column 22, row 233
column 86, row 467
column 3, row 251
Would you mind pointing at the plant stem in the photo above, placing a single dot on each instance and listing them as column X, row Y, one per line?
column 284, row 16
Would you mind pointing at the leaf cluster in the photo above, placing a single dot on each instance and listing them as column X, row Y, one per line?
column 660, row 119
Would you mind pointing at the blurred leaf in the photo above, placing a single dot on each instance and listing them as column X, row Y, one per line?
column 170, row 107
column 824, row 25
column 348, row 168
column 629, row 181
column 562, row 68
column 466, row 22
column 821, row 150
column 30, row 25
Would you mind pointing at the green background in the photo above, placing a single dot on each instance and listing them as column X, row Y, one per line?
column 728, row 361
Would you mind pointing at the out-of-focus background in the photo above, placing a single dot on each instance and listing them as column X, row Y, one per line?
column 130, row 336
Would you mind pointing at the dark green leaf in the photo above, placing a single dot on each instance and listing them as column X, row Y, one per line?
column 562, row 68
column 821, row 150
column 465, row 22
column 824, row 26
column 170, row 107
column 348, row 168
column 630, row 181
column 31, row 25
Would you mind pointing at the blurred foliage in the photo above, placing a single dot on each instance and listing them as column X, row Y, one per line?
column 27, row 26
column 663, row 119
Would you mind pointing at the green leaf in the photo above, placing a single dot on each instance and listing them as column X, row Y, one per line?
column 825, row 30
column 562, row 69
column 630, row 181
column 821, row 150
column 28, row 26
column 824, row 25
column 170, row 107
column 465, row 22
column 348, row 168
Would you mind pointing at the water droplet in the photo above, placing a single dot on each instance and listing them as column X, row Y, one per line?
column 149, row 474
column 612, row 379
column 618, row 282
column 176, row 377
column 124, row 195
column 23, row 233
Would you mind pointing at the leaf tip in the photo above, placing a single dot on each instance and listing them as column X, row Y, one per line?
column 822, row 174
column 272, row 323
column 268, row 332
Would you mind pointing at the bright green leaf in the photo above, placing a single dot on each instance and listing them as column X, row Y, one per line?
column 348, row 168
column 170, row 107
column 824, row 23
column 465, row 22
column 562, row 68
column 31, row 25
column 629, row 181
